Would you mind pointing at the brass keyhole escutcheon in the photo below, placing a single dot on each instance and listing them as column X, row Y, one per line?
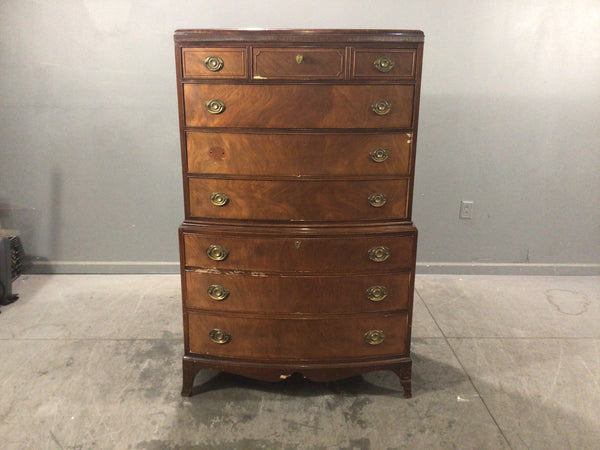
column 384, row 64
column 297, row 244
column 377, row 200
column 216, row 252
column 374, row 337
column 213, row 63
column 215, row 106
column 379, row 154
column 219, row 198
column 219, row 336
column 379, row 253
column 376, row 293
column 381, row 107
column 218, row 292
column 299, row 59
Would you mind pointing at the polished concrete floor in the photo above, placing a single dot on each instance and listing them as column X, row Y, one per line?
column 499, row 362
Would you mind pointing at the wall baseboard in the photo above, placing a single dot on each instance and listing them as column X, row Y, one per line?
column 99, row 267
column 507, row 269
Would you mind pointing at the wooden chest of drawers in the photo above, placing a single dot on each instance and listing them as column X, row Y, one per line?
column 297, row 249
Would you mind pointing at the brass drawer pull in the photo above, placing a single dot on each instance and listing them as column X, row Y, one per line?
column 379, row 253
column 379, row 154
column 384, row 64
column 216, row 252
column 299, row 59
column 220, row 336
column 213, row 63
column 376, row 293
column 374, row 337
column 381, row 107
column 377, row 200
column 215, row 106
column 218, row 292
column 219, row 198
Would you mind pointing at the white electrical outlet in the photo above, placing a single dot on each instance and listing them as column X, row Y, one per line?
column 466, row 209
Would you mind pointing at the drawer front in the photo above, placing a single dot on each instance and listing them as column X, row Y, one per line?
column 313, row 338
column 214, row 62
column 298, row 63
column 298, row 253
column 299, row 106
column 245, row 292
column 299, row 200
column 294, row 154
column 384, row 64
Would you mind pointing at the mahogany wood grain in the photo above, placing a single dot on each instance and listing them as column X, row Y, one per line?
column 295, row 294
column 303, row 339
column 282, row 63
column 298, row 106
column 404, row 64
column 294, row 154
column 298, row 200
column 234, row 62
column 291, row 253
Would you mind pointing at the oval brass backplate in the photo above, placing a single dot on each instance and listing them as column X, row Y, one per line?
column 219, row 198
column 379, row 154
column 379, row 253
column 215, row 106
column 374, row 337
column 384, row 64
column 217, row 292
column 377, row 200
column 216, row 252
column 381, row 107
column 219, row 336
column 376, row 293
column 213, row 63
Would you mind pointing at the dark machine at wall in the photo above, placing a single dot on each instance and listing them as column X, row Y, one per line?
column 12, row 258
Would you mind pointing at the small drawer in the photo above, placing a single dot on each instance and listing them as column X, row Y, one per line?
column 298, row 106
column 299, row 154
column 298, row 63
column 214, row 62
column 384, row 64
column 307, row 338
column 287, row 294
column 292, row 253
column 298, row 200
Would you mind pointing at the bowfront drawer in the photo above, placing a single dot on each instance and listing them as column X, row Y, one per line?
column 280, row 293
column 298, row 106
column 384, row 64
column 214, row 62
column 304, row 338
column 298, row 200
column 294, row 154
column 300, row 63
column 352, row 254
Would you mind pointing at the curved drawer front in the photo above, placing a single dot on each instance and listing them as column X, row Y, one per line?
column 339, row 338
column 214, row 62
column 300, row 106
column 384, row 64
column 298, row 200
column 279, row 293
column 296, row 154
column 302, row 63
column 299, row 253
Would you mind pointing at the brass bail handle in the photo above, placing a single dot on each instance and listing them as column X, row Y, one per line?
column 381, row 107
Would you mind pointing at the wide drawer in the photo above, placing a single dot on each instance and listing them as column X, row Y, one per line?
column 256, row 337
column 293, row 154
column 384, row 64
column 214, row 62
column 300, row 63
column 281, row 293
column 298, row 200
column 298, row 106
column 299, row 253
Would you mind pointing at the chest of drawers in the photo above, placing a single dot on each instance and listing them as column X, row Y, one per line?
column 297, row 250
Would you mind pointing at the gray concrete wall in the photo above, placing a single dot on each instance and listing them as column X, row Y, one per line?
column 89, row 150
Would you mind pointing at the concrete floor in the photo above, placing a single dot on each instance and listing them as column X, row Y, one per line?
column 499, row 362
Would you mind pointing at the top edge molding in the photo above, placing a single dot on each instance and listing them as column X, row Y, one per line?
column 298, row 35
